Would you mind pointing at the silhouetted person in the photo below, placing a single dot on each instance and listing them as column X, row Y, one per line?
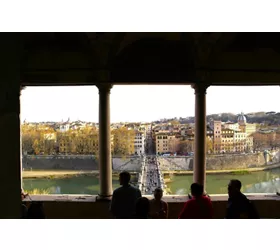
column 199, row 206
column 36, row 211
column 239, row 206
column 158, row 207
column 142, row 208
column 124, row 198
column 24, row 209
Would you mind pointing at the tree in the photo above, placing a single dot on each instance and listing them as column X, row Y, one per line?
column 123, row 141
column 174, row 122
column 209, row 145
column 29, row 135
column 185, row 146
column 37, row 147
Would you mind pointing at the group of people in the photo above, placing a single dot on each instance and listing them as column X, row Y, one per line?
column 128, row 203
column 152, row 182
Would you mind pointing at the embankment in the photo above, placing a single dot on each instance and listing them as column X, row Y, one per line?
column 217, row 162
column 77, row 163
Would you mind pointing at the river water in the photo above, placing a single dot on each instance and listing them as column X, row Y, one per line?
column 257, row 182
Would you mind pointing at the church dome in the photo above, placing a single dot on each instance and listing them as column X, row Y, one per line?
column 241, row 119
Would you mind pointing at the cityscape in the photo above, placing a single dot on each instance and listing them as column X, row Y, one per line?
column 165, row 137
column 158, row 154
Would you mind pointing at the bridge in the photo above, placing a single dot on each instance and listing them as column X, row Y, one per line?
column 151, row 176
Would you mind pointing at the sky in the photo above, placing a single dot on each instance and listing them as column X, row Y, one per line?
column 142, row 103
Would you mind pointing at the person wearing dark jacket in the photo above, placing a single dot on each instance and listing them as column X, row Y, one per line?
column 124, row 198
column 36, row 210
column 142, row 208
column 239, row 206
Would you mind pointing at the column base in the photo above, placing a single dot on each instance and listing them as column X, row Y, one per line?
column 103, row 198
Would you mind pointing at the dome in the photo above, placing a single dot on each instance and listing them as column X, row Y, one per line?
column 241, row 119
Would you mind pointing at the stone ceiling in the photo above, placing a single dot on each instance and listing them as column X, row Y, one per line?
column 150, row 58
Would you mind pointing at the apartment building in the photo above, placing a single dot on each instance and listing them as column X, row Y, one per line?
column 166, row 143
column 139, row 143
column 233, row 137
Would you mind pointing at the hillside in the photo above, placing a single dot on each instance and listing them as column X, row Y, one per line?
column 269, row 118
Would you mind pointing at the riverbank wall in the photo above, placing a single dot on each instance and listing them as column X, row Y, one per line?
column 78, row 162
column 133, row 164
column 218, row 162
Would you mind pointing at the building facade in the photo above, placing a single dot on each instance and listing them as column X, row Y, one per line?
column 139, row 143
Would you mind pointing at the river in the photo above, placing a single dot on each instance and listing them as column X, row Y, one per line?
column 256, row 182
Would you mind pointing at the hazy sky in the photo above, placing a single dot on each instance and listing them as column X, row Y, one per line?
column 141, row 103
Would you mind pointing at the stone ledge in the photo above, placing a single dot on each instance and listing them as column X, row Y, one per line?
column 167, row 198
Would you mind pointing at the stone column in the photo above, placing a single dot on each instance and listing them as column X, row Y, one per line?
column 105, row 161
column 200, row 134
column 10, row 143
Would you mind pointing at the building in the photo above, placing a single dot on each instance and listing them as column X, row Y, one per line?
column 64, row 127
column 248, row 128
column 231, row 125
column 45, row 59
column 166, row 143
column 227, row 140
column 139, row 143
column 233, row 137
column 239, row 140
column 217, row 136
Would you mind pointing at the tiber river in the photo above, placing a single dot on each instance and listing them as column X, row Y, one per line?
column 257, row 182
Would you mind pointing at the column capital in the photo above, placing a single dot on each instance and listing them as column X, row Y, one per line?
column 104, row 87
column 200, row 88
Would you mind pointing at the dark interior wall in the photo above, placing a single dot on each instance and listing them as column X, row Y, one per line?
column 100, row 210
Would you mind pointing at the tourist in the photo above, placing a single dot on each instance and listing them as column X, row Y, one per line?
column 239, row 206
column 36, row 211
column 158, row 207
column 24, row 209
column 199, row 206
column 142, row 208
column 124, row 198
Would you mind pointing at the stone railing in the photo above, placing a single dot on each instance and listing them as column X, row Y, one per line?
column 87, row 207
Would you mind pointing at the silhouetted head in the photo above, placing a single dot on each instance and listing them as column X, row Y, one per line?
column 158, row 194
column 142, row 207
column 234, row 188
column 196, row 189
column 124, row 178
column 23, row 195
column 36, row 211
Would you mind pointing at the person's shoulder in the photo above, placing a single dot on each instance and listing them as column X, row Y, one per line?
column 190, row 201
column 135, row 189
column 117, row 190
column 206, row 198
column 164, row 203
column 244, row 198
